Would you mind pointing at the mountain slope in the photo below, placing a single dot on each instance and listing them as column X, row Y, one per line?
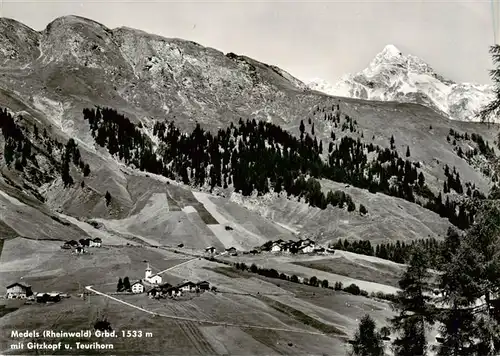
column 77, row 64
column 392, row 76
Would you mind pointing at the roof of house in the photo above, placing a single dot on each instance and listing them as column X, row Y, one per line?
column 97, row 239
column 136, row 282
column 202, row 282
column 306, row 245
column 26, row 286
column 186, row 284
column 54, row 294
column 169, row 289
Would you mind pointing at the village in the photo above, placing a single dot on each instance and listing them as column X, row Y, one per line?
column 153, row 285
column 304, row 246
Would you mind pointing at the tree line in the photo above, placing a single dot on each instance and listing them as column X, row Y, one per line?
column 252, row 157
column 396, row 251
column 260, row 157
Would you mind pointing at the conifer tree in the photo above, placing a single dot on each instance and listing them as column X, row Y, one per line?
column 119, row 287
column 472, row 274
column 126, row 284
column 492, row 109
column 86, row 170
column 108, row 198
column 413, row 305
column 367, row 340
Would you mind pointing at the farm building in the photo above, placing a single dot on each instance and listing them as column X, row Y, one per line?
column 210, row 249
column 308, row 248
column 18, row 291
column 153, row 292
column 305, row 242
column 137, row 287
column 79, row 250
column 95, row 242
column 174, row 292
column 52, row 297
column 290, row 246
column 84, row 242
column 187, row 286
column 204, row 285
column 163, row 291
column 276, row 247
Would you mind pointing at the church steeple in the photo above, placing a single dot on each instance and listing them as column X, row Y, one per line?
column 148, row 272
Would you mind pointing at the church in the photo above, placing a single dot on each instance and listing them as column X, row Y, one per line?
column 149, row 277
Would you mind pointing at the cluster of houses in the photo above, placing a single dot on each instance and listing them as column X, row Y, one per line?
column 153, row 285
column 23, row 291
column 79, row 246
column 228, row 251
column 290, row 246
column 168, row 290
column 301, row 246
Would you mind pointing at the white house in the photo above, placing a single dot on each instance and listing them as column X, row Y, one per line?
column 137, row 287
column 306, row 242
column 18, row 291
column 187, row 286
column 95, row 242
column 152, row 278
column 276, row 247
column 307, row 248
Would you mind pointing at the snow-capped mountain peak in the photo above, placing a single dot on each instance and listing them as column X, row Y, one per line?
column 393, row 76
column 388, row 54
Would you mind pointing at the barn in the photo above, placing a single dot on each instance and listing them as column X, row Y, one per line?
column 18, row 291
column 187, row 286
column 95, row 242
column 204, row 285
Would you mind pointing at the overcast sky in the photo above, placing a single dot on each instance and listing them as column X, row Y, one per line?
column 309, row 39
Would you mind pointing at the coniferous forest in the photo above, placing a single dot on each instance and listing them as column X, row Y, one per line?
column 21, row 152
column 257, row 156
